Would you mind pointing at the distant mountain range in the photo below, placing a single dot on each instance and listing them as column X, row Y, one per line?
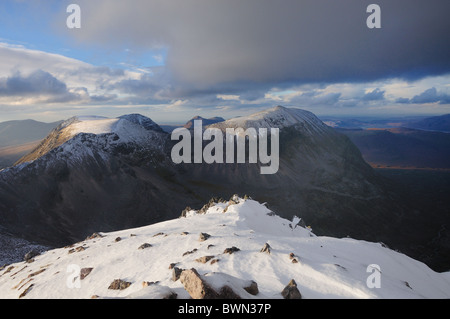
column 435, row 123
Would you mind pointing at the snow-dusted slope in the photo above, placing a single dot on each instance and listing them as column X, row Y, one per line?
column 82, row 135
column 326, row 267
column 277, row 117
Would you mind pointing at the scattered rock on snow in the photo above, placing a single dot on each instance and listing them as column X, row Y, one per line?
column 204, row 259
column 204, row 236
column 26, row 291
column 30, row 255
column 158, row 234
column 95, row 235
column 84, row 272
column 119, row 284
column 172, row 265
column 265, row 249
column 252, row 289
column 149, row 283
column 144, row 245
column 190, row 252
column 291, row 291
column 231, row 250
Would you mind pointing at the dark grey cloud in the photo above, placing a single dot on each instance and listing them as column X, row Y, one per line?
column 226, row 44
column 315, row 98
column 42, row 87
column 375, row 95
column 38, row 82
column 428, row 96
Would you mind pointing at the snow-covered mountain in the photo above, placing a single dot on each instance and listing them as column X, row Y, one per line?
column 82, row 134
column 99, row 174
column 228, row 249
column 277, row 117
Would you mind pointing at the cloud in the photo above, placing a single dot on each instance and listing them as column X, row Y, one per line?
column 39, row 85
column 228, row 43
column 428, row 96
column 375, row 95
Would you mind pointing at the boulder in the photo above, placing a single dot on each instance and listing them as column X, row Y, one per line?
column 196, row 286
column 252, row 289
column 204, row 236
column 291, row 291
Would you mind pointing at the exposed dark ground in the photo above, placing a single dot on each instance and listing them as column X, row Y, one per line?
column 427, row 191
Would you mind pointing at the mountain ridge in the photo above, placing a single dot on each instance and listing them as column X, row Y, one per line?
column 114, row 180
column 239, row 244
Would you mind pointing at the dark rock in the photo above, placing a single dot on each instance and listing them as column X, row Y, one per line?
column 204, row 236
column 252, row 289
column 190, row 252
column 204, row 259
column 31, row 254
column 95, row 235
column 145, row 245
column 170, row 295
column 84, row 272
column 291, row 291
column 117, row 239
column 214, row 261
column 231, row 250
column 227, row 293
column 176, row 272
column 158, row 234
column 172, row 265
column 185, row 211
column 265, row 249
column 119, row 284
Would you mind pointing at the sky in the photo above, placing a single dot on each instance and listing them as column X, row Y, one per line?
column 174, row 59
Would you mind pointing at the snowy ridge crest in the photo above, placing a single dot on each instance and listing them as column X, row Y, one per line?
column 277, row 117
column 229, row 249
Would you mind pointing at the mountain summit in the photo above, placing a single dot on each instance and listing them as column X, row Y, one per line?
column 277, row 117
column 125, row 129
column 98, row 174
